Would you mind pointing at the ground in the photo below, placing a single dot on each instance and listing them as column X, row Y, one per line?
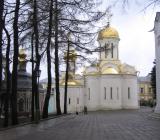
column 99, row 125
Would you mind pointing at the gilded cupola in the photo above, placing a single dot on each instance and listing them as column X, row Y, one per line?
column 108, row 32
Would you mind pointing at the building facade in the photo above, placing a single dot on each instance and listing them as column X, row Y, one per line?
column 24, row 87
column 106, row 85
column 145, row 88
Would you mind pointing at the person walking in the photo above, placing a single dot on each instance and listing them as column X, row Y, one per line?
column 85, row 110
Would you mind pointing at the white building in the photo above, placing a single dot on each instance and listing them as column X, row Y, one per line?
column 107, row 85
column 157, row 53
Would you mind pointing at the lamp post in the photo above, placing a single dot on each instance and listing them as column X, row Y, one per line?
column 38, row 73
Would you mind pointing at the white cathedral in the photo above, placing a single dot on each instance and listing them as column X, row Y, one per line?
column 107, row 85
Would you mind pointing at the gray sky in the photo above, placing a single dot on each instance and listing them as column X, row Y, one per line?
column 136, row 42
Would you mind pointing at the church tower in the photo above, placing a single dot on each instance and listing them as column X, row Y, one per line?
column 72, row 62
column 71, row 57
column 22, row 60
column 108, row 39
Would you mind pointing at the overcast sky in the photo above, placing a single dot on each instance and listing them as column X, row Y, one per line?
column 136, row 42
column 136, row 45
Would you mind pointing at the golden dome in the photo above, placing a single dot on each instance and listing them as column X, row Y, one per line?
column 108, row 32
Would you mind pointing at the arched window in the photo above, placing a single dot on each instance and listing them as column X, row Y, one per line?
column 129, row 94
column 89, row 94
column 112, row 50
column 106, row 48
column 111, row 93
column 69, row 101
column 105, row 93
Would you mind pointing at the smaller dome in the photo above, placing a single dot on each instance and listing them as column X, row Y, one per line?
column 22, row 55
column 72, row 55
column 70, row 83
column 108, row 32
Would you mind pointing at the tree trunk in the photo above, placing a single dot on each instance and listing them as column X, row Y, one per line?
column 1, row 32
column 46, row 103
column 66, row 80
column 8, row 84
column 32, row 60
column 38, row 58
column 36, row 89
column 57, row 60
column 15, row 65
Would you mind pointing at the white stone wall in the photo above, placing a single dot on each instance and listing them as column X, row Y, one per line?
column 129, row 92
column 95, row 84
column 111, row 92
column 108, row 83
column 92, row 92
column 76, row 97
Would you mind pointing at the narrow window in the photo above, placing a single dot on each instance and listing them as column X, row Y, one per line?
column 142, row 90
column 129, row 96
column 106, row 50
column 88, row 93
column 27, row 104
column 100, row 51
column 105, row 93
column 77, row 100
column 150, row 90
column 52, row 90
column 69, row 101
column 111, row 93
column 117, row 93
column 112, row 49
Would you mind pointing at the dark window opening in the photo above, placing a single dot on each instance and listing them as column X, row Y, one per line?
column 111, row 93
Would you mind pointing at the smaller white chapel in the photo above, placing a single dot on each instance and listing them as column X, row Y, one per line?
column 107, row 85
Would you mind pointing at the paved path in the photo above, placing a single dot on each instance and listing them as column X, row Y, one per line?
column 101, row 125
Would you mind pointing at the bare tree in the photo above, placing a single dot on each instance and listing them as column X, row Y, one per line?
column 38, row 59
column 57, row 58
column 46, row 103
column 66, row 75
column 8, row 75
column 15, row 64
column 1, row 32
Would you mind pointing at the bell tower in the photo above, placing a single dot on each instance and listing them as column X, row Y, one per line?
column 72, row 62
column 22, row 60
column 108, row 39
